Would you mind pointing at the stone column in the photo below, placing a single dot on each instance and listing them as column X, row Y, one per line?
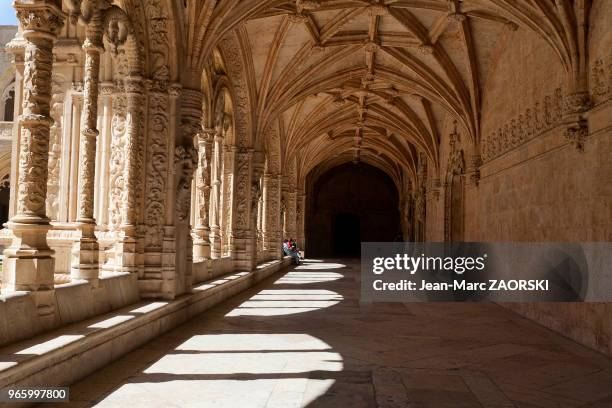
column 102, row 202
column 28, row 262
column 215, row 221
column 301, row 219
column 241, row 221
column 17, row 47
column 85, row 252
column 227, row 206
column 201, row 244
column 70, row 179
column 290, row 198
column 126, row 248
column 271, row 215
column 191, row 119
column 257, row 165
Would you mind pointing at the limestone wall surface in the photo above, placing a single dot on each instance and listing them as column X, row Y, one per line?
column 534, row 185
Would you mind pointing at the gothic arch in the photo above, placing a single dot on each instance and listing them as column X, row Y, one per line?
column 272, row 150
column 231, row 51
column 7, row 102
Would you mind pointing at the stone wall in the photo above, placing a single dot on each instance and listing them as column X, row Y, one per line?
column 534, row 185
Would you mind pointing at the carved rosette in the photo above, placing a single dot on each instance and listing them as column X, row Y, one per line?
column 41, row 23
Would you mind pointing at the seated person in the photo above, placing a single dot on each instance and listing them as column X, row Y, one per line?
column 288, row 250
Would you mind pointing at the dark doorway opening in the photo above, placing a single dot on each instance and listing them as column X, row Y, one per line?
column 347, row 235
column 5, row 194
column 9, row 107
column 347, row 205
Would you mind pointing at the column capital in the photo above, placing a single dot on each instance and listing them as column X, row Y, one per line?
column 40, row 19
column 134, row 85
column 107, row 88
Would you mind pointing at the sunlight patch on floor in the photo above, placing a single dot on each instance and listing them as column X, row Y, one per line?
column 234, row 370
column 285, row 302
column 298, row 278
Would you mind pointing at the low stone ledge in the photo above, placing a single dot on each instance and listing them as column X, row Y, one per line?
column 74, row 301
column 73, row 352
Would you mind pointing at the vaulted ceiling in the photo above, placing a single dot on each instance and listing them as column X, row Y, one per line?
column 377, row 80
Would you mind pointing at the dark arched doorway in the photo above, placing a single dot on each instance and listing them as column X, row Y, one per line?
column 347, row 205
column 347, row 234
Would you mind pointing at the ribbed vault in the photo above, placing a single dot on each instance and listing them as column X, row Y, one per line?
column 380, row 79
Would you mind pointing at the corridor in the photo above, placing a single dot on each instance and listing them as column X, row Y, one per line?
column 302, row 338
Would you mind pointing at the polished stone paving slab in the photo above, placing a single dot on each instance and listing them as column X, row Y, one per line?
column 302, row 339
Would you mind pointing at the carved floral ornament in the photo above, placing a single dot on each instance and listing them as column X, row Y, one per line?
column 186, row 161
column 40, row 18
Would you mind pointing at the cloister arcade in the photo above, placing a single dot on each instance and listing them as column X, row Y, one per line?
column 161, row 144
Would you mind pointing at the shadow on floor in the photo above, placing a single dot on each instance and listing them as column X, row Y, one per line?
column 301, row 338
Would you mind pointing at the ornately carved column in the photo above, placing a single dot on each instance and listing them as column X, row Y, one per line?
column 301, row 219
column 271, row 221
column 126, row 255
column 85, row 252
column 257, row 165
column 290, row 197
column 240, row 220
column 227, row 207
column 201, row 244
column 28, row 263
column 215, row 219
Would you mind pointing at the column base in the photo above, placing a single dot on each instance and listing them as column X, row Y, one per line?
column 28, row 262
column 215, row 243
column 126, row 255
column 201, row 245
column 29, row 266
column 86, row 256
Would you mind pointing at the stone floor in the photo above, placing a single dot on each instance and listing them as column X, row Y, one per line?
column 302, row 339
